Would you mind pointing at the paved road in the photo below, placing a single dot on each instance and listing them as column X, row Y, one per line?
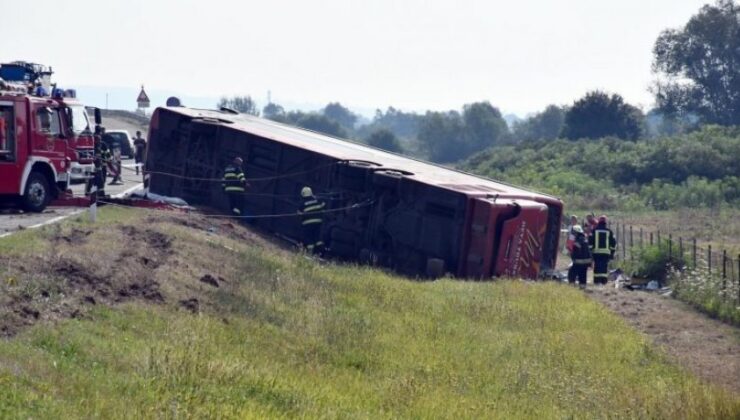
column 13, row 219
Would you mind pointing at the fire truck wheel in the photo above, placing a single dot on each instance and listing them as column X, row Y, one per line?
column 37, row 194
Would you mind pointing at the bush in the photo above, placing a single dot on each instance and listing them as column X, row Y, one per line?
column 707, row 292
column 700, row 169
column 655, row 262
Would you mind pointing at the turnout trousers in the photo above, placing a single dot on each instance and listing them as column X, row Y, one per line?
column 601, row 268
column 312, row 237
column 236, row 203
column 578, row 272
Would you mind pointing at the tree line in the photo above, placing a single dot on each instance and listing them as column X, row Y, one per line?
column 697, row 69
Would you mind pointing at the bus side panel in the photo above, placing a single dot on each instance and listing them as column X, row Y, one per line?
column 482, row 236
column 520, row 250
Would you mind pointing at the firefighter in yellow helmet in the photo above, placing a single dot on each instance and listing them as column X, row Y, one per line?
column 603, row 244
column 311, row 212
column 234, row 184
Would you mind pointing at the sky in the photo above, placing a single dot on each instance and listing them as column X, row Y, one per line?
column 414, row 55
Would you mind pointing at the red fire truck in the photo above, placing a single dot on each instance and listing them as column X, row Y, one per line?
column 44, row 131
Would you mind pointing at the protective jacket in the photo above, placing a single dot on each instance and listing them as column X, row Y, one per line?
column 311, row 209
column 581, row 253
column 233, row 181
column 602, row 241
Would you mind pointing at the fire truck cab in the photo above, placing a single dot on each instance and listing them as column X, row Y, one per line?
column 40, row 137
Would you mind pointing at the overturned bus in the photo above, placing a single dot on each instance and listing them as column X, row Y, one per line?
column 415, row 217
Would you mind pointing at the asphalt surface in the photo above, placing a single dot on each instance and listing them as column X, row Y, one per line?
column 12, row 219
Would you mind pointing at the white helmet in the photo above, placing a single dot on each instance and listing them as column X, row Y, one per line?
column 306, row 192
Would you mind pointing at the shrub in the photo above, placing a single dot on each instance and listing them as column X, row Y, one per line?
column 707, row 292
column 656, row 261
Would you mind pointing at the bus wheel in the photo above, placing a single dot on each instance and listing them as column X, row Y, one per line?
column 37, row 194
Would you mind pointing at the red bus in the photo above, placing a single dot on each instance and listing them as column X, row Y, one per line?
column 417, row 218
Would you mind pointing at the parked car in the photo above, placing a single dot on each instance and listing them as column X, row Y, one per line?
column 122, row 139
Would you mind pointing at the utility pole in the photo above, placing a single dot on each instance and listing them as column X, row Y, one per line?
column 106, row 100
column 269, row 97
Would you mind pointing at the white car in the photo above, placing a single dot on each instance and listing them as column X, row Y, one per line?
column 123, row 139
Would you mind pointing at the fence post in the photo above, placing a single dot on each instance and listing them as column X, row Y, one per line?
column 624, row 243
column 642, row 243
column 680, row 248
column 670, row 246
column 651, row 238
column 709, row 259
column 632, row 243
column 724, row 269
column 657, row 238
column 693, row 253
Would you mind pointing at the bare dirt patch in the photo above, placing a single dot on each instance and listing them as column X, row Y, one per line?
column 706, row 347
column 83, row 266
column 75, row 235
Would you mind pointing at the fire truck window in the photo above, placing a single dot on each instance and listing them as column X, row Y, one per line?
column 7, row 144
column 49, row 121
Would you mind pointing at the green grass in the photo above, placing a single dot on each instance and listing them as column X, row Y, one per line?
column 289, row 338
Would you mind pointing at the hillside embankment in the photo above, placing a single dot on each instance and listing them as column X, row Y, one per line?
column 152, row 314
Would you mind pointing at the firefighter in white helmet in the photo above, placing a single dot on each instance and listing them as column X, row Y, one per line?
column 311, row 212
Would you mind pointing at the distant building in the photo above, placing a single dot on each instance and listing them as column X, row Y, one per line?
column 142, row 102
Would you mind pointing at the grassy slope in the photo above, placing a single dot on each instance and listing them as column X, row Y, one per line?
column 286, row 337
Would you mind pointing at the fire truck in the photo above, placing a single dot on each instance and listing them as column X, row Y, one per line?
column 44, row 134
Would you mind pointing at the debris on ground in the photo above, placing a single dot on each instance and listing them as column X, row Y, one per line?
column 141, row 193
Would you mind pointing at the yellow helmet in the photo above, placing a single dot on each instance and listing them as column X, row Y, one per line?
column 306, row 192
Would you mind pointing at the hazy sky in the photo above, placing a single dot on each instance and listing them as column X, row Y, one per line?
column 412, row 54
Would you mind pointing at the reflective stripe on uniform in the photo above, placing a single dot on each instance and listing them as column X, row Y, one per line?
column 234, row 189
column 313, row 208
column 582, row 261
column 312, row 221
column 601, row 242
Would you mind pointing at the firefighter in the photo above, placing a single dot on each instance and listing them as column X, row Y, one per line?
column 115, row 164
column 581, row 256
column 569, row 242
column 105, row 160
column 234, row 185
column 311, row 220
column 140, row 147
column 603, row 244
column 98, row 168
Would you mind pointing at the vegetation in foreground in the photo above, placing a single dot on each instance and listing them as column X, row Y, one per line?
column 283, row 336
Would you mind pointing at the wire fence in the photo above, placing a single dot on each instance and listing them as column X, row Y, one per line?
column 720, row 265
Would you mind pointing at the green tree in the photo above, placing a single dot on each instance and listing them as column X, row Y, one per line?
column 599, row 115
column 402, row 124
column 317, row 122
column 340, row 114
column 386, row 140
column 545, row 125
column 243, row 104
column 484, row 127
column 701, row 63
column 274, row 112
column 441, row 133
